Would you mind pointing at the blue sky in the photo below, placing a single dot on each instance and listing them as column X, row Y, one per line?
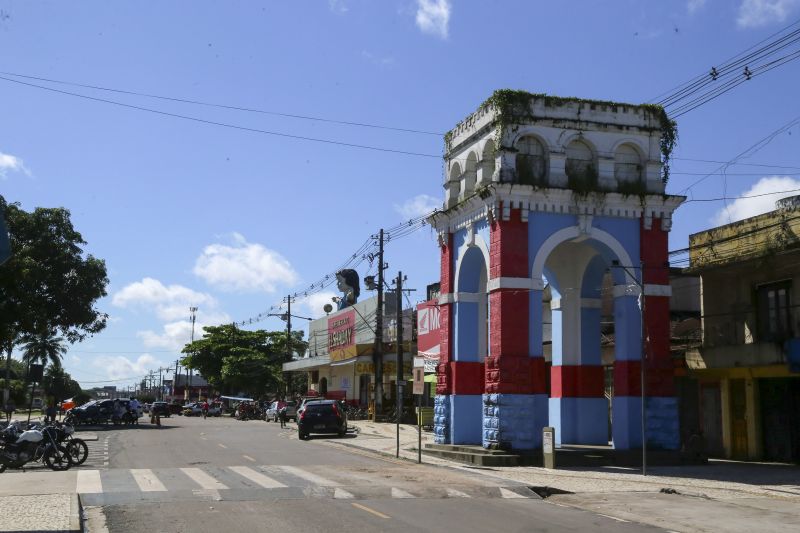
column 188, row 213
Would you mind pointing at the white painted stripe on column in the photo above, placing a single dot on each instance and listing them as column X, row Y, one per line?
column 505, row 493
column 257, row 477
column 400, row 493
column 308, row 476
column 453, row 493
column 203, row 479
column 89, row 482
column 147, row 480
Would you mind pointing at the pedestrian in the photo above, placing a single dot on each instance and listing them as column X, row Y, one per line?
column 205, row 408
column 282, row 415
column 50, row 413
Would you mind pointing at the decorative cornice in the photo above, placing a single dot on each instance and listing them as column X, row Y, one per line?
column 498, row 199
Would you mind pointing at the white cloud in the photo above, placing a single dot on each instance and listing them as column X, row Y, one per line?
column 755, row 13
column 749, row 207
column 433, row 16
column 11, row 163
column 120, row 367
column 75, row 359
column 313, row 305
column 381, row 61
column 417, row 206
column 694, row 5
column 168, row 302
column 175, row 335
column 244, row 266
column 338, row 6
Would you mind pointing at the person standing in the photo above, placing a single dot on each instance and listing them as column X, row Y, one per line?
column 205, row 409
column 282, row 415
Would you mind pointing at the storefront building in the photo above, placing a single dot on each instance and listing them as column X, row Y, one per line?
column 340, row 361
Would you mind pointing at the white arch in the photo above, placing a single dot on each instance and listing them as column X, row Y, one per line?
column 532, row 131
column 462, row 250
column 571, row 233
column 635, row 143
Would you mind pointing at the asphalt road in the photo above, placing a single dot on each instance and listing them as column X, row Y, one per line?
column 223, row 475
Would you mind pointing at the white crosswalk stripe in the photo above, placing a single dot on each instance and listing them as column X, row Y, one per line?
column 88, row 482
column 203, row 479
column 256, row 477
column 308, row 476
column 283, row 481
column 147, row 480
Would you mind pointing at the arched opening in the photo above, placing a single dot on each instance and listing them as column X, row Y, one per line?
column 470, row 176
column 531, row 161
column 586, row 318
column 627, row 164
column 580, row 166
column 487, row 163
column 323, row 386
column 453, row 186
column 470, row 344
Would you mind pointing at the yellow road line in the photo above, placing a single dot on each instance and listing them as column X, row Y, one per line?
column 367, row 509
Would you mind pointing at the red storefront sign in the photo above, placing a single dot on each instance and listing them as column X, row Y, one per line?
column 342, row 336
column 428, row 333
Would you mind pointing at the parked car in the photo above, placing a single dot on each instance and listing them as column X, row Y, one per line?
column 193, row 409
column 323, row 416
column 273, row 411
column 175, row 409
column 306, row 400
column 160, row 409
column 146, row 407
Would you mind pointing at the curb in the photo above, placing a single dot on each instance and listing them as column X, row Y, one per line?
column 75, row 513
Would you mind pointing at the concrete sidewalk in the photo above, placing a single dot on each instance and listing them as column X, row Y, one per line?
column 719, row 496
column 44, row 512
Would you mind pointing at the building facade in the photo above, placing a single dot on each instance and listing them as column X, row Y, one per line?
column 545, row 197
column 744, row 381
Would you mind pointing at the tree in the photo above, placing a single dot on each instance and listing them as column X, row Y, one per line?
column 49, row 283
column 44, row 347
column 59, row 384
column 235, row 359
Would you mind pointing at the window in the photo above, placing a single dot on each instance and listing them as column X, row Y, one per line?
column 774, row 311
column 627, row 164
column 580, row 167
column 531, row 163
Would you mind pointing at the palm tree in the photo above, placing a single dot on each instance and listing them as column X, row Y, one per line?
column 44, row 347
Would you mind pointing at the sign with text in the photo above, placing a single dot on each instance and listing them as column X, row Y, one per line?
column 428, row 333
column 419, row 380
column 341, row 336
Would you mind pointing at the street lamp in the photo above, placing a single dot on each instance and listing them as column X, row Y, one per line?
column 642, row 370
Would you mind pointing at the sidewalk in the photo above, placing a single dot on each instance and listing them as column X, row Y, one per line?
column 719, row 496
column 45, row 512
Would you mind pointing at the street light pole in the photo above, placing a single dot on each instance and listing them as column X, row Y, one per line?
column 193, row 311
column 643, row 363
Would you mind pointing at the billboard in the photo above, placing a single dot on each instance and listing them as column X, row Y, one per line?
column 428, row 334
column 342, row 336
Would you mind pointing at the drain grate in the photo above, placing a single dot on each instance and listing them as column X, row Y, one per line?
column 546, row 492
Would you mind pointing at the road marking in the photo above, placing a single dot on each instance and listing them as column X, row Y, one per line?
column 505, row 493
column 614, row 518
column 147, row 480
column 367, row 509
column 249, row 458
column 341, row 494
column 256, row 477
column 221, row 445
column 400, row 493
column 453, row 493
column 89, row 482
column 308, row 476
column 204, row 480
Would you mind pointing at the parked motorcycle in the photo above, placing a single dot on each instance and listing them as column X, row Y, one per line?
column 65, row 435
column 17, row 448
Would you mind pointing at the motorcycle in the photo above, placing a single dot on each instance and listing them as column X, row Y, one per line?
column 65, row 435
column 19, row 448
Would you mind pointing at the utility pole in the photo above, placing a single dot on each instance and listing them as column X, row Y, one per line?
column 288, row 328
column 400, row 383
column 377, row 357
column 193, row 311
column 174, row 379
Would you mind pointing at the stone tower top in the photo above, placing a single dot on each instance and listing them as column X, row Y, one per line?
column 564, row 143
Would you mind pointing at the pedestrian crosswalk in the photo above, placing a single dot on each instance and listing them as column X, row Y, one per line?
column 243, row 482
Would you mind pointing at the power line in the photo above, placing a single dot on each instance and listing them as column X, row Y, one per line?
column 223, row 106
column 222, row 124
